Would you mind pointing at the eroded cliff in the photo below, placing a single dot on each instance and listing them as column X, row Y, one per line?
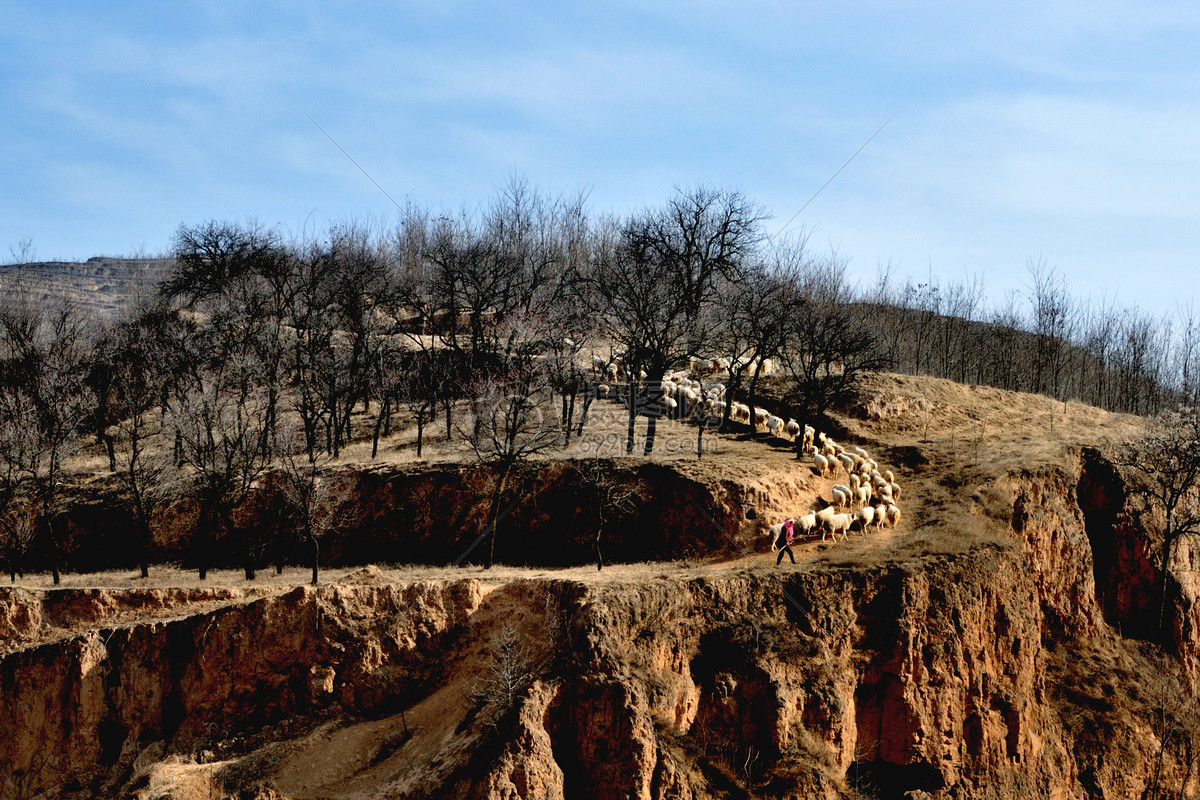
column 988, row 667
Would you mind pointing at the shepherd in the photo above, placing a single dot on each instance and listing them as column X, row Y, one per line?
column 787, row 535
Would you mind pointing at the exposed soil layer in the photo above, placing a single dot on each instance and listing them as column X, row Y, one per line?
column 950, row 674
column 435, row 513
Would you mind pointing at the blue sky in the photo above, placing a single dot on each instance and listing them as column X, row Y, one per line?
column 1068, row 134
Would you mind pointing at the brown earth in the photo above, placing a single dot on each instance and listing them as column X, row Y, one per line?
column 993, row 645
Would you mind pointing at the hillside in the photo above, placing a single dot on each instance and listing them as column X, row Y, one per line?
column 100, row 285
column 989, row 646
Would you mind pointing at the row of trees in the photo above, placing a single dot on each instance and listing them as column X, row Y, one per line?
column 256, row 355
column 1041, row 340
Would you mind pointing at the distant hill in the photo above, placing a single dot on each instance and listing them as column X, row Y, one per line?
column 101, row 285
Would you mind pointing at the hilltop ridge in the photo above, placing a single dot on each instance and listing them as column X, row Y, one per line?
column 100, row 285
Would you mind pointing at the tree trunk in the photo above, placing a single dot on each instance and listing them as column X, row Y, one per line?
column 1168, row 546
column 52, row 544
column 632, row 418
column 316, row 562
column 700, row 436
column 112, row 453
column 750, row 400
column 651, row 426
column 383, row 412
column 587, row 404
column 571, row 411
column 494, row 513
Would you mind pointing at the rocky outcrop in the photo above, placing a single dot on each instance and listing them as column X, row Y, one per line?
column 992, row 671
column 78, row 712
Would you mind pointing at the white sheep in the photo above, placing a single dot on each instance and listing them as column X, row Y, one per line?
column 792, row 428
column 847, row 462
column 821, row 463
column 822, row 517
column 603, row 390
column 842, row 495
column 775, row 425
column 865, row 516
column 893, row 515
column 863, row 495
column 807, row 523
column 839, row 522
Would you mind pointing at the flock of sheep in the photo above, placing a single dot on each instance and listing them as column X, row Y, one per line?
column 679, row 395
column 869, row 499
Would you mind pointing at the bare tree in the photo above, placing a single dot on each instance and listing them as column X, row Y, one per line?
column 138, row 356
column 312, row 491
column 761, row 313
column 512, row 419
column 508, row 671
column 18, row 534
column 221, row 424
column 1052, row 324
column 1168, row 458
column 654, row 274
column 209, row 258
column 615, row 497
column 830, row 346
column 23, row 252
column 48, row 397
column 1187, row 351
